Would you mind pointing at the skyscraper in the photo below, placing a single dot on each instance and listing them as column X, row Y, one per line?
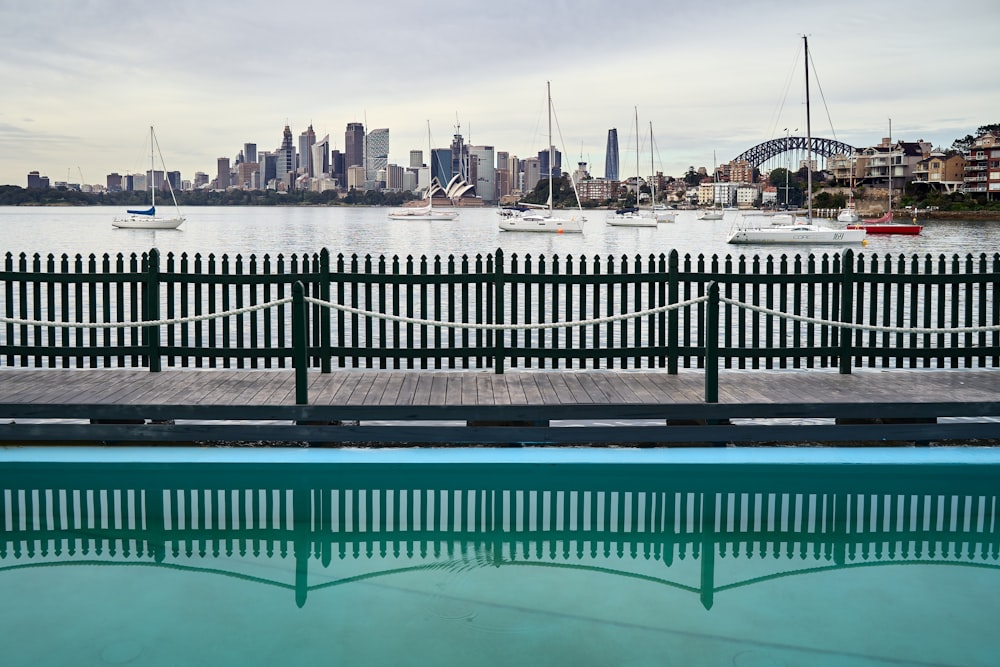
column 222, row 174
column 377, row 151
column 306, row 141
column 611, row 156
column 250, row 152
column 320, row 157
column 482, row 167
column 354, row 146
column 285, row 167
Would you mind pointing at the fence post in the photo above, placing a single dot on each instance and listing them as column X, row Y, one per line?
column 712, row 344
column 300, row 344
column 498, row 316
column 673, row 317
column 846, row 306
column 151, row 310
column 324, row 313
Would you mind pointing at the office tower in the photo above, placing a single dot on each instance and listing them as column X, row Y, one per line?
column 250, row 152
column 320, row 157
column 543, row 164
column 482, row 168
column 416, row 159
column 354, row 146
column 459, row 155
column 114, row 182
column 611, row 156
column 35, row 180
column 285, row 156
column 338, row 170
column 394, row 177
column 306, row 141
column 441, row 165
column 268, row 168
column 377, row 152
column 174, row 179
column 532, row 173
column 222, row 175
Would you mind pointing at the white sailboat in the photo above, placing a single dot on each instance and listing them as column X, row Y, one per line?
column 659, row 211
column 803, row 230
column 713, row 213
column 427, row 211
column 631, row 216
column 541, row 219
column 146, row 218
column 850, row 212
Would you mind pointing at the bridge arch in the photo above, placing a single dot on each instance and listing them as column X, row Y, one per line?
column 767, row 150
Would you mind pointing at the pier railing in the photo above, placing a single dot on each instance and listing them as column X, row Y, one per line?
column 496, row 312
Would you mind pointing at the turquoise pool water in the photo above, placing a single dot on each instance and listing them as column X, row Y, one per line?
column 747, row 558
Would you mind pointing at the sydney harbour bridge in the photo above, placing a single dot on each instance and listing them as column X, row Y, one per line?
column 791, row 151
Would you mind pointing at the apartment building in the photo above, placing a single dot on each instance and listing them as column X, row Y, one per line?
column 982, row 169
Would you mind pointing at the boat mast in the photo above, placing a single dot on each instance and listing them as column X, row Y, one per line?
column 636, row 109
column 652, row 169
column 809, row 178
column 548, row 94
column 152, row 170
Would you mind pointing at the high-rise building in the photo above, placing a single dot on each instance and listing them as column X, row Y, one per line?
column 377, row 152
column 482, row 168
column 285, row 156
column 354, row 146
column 543, row 163
column 611, row 156
column 416, row 159
column 222, row 180
column 338, row 170
column 35, row 180
column 306, row 141
column 250, row 152
column 532, row 173
column 441, row 165
column 114, row 182
column 459, row 155
column 319, row 160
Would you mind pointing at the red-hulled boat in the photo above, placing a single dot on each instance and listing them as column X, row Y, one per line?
column 885, row 225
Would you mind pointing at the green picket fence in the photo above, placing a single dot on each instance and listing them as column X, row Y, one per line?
column 497, row 312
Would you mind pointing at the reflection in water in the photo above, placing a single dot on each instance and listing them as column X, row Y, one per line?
column 517, row 548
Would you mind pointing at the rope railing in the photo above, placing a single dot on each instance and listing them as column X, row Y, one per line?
column 528, row 326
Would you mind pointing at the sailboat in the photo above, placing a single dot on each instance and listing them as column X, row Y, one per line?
column 660, row 211
column 427, row 211
column 146, row 218
column 800, row 230
column 631, row 216
column 713, row 213
column 533, row 218
column 850, row 212
column 884, row 224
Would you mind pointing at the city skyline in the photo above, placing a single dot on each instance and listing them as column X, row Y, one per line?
column 82, row 84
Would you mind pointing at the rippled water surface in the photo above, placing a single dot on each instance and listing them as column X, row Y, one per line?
column 364, row 231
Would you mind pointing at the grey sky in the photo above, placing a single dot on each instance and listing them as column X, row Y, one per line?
column 81, row 82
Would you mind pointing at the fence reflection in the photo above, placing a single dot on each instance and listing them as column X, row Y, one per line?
column 627, row 520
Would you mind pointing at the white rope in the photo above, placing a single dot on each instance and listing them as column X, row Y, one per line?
column 502, row 327
column 506, row 327
column 859, row 327
column 149, row 323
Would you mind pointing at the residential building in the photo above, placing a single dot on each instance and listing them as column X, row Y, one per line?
column 982, row 173
column 746, row 195
column 394, row 177
column 944, row 172
column 598, row 189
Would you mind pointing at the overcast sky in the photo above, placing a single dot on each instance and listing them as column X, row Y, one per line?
column 82, row 81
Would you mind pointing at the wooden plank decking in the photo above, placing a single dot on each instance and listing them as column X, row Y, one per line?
column 889, row 404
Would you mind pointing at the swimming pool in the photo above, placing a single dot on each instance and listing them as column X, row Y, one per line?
column 746, row 557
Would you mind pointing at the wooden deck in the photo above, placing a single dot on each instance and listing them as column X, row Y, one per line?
column 480, row 407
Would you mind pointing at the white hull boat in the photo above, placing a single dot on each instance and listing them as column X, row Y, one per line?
column 541, row 219
column 796, row 233
column 146, row 218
